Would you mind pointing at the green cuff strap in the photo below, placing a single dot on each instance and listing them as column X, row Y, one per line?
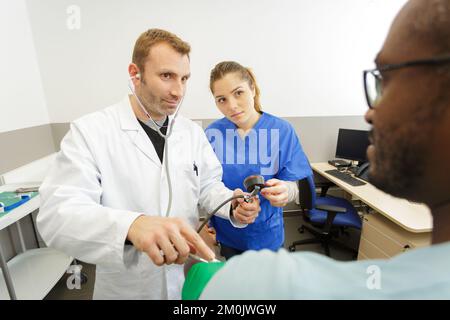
column 197, row 279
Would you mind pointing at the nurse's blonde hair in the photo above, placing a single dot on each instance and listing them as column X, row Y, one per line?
column 225, row 67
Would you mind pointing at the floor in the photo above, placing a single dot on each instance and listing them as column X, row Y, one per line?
column 292, row 223
column 61, row 290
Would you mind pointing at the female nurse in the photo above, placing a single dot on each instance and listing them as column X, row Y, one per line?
column 248, row 141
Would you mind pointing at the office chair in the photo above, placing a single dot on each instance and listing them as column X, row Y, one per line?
column 327, row 215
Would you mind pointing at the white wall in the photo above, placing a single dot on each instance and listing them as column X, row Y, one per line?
column 22, row 102
column 308, row 55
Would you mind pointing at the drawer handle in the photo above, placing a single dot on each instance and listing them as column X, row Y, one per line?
column 406, row 247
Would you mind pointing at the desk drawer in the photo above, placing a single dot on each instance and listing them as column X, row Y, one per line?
column 368, row 250
column 381, row 238
column 395, row 232
column 389, row 246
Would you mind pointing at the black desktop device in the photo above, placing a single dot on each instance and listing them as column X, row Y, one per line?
column 352, row 145
column 339, row 163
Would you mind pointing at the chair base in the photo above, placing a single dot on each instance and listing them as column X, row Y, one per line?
column 325, row 239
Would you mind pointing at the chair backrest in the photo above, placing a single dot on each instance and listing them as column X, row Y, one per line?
column 307, row 193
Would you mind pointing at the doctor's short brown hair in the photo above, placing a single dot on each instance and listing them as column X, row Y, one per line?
column 153, row 36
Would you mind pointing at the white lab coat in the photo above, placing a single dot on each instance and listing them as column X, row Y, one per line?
column 106, row 175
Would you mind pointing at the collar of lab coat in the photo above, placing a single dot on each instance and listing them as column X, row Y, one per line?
column 130, row 124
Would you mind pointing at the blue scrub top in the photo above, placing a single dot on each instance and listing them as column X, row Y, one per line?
column 271, row 149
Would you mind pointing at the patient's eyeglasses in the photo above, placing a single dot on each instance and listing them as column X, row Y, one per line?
column 373, row 78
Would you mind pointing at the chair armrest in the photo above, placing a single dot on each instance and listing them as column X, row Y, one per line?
column 330, row 208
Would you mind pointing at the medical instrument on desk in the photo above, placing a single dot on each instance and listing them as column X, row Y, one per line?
column 27, row 189
column 253, row 184
column 157, row 127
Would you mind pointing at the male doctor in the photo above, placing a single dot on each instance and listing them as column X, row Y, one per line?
column 105, row 198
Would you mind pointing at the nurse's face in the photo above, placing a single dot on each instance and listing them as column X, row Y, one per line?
column 235, row 99
column 163, row 82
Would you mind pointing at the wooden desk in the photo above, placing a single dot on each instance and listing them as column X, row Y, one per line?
column 32, row 273
column 394, row 225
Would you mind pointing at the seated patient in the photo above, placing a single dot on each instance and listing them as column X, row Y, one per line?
column 409, row 110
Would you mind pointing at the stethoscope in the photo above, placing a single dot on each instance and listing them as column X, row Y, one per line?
column 166, row 136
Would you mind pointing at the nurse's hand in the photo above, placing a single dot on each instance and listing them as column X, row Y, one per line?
column 276, row 191
column 245, row 212
column 167, row 240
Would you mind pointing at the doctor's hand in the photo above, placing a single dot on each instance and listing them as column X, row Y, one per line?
column 276, row 191
column 245, row 212
column 167, row 240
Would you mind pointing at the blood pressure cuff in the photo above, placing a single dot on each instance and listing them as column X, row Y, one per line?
column 197, row 279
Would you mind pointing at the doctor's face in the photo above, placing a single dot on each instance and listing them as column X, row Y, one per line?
column 235, row 99
column 163, row 82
